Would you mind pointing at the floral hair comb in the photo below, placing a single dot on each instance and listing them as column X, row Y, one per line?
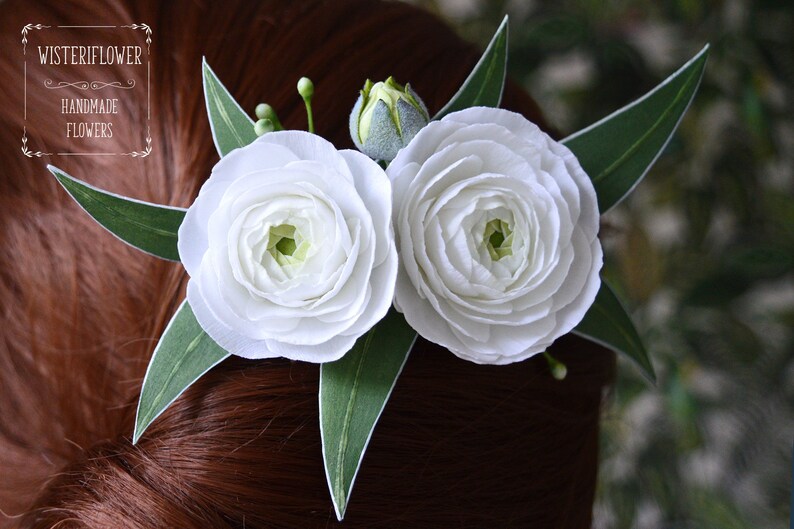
column 471, row 228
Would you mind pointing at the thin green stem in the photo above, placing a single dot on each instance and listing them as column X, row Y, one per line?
column 306, row 91
column 309, row 115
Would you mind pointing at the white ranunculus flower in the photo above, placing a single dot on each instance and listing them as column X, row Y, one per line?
column 496, row 227
column 289, row 249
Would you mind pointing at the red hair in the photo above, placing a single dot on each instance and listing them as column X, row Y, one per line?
column 458, row 444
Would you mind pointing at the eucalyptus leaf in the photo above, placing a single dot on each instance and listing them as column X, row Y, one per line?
column 148, row 227
column 618, row 150
column 607, row 323
column 231, row 126
column 183, row 354
column 353, row 392
column 485, row 84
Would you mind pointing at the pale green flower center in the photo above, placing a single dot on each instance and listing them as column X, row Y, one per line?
column 498, row 239
column 286, row 245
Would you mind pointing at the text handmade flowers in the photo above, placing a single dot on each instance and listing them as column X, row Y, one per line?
column 289, row 249
column 496, row 227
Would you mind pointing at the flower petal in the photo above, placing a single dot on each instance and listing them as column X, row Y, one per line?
column 290, row 249
column 493, row 293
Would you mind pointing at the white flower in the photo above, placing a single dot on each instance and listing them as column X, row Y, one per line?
column 496, row 228
column 289, row 249
column 385, row 118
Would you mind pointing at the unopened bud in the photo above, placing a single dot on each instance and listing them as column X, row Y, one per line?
column 558, row 370
column 263, row 126
column 305, row 88
column 385, row 118
column 265, row 111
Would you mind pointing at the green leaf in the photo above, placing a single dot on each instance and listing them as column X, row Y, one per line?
column 618, row 150
column 148, row 227
column 353, row 392
column 183, row 354
column 231, row 126
column 608, row 324
column 484, row 85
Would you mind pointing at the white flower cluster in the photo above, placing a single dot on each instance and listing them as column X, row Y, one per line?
column 291, row 252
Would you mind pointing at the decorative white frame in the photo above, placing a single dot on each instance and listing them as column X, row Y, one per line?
column 94, row 85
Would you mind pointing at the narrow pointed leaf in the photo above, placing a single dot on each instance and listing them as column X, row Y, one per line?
column 620, row 149
column 148, row 227
column 484, row 85
column 231, row 126
column 353, row 392
column 607, row 323
column 184, row 353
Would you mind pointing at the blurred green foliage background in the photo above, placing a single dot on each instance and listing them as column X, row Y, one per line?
column 702, row 251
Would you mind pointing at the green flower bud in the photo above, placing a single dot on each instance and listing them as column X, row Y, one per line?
column 265, row 111
column 261, row 110
column 385, row 118
column 305, row 88
column 306, row 91
column 558, row 370
column 263, row 126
